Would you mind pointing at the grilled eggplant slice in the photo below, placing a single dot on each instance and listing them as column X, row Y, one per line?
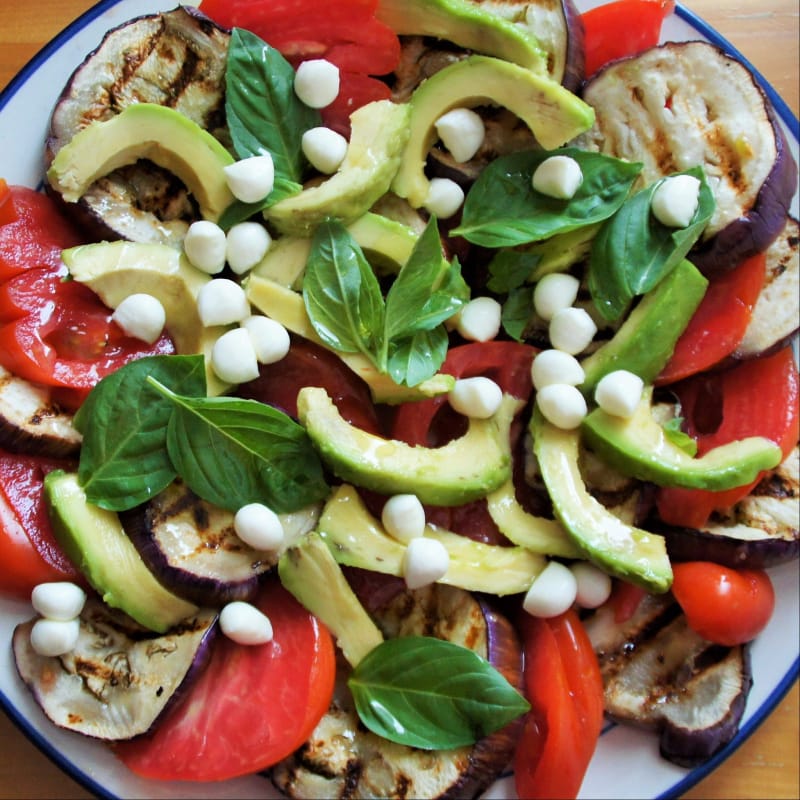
column 341, row 759
column 689, row 103
column 174, row 59
column 120, row 677
column 659, row 674
column 31, row 423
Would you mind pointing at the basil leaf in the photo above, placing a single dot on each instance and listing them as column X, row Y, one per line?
column 678, row 437
column 123, row 459
column 633, row 251
column 232, row 452
column 263, row 112
column 509, row 269
column 431, row 693
column 517, row 312
column 418, row 357
column 239, row 211
column 503, row 209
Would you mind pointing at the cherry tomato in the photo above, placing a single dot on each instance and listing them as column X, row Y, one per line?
column 251, row 706
column 725, row 606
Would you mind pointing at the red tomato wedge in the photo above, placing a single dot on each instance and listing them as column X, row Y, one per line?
column 622, row 28
column 29, row 554
column 251, row 707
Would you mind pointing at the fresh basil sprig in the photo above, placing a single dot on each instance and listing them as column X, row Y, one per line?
column 403, row 335
column 633, row 251
column 503, row 209
column 430, row 693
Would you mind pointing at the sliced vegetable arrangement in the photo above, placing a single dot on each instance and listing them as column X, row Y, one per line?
column 406, row 372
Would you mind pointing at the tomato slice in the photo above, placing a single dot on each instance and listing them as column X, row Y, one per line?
column 29, row 553
column 252, row 705
column 622, row 28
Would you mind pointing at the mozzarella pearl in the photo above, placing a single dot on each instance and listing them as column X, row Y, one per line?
column 593, row 585
column 675, row 200
column 479, row 319
column 245, row 624
column 556, row 366
column 258, row 526
column 571, row 330
column 403, row 517
column 619, row 393
column 233, row 357
column 324, row 148
column 222, row 302
column 462, row 132
column 205, row 246
column 246, row 244
column 444, row 198
column 316, row 82
column 59, row 600
column 553, row 293
column 54, row 637
column 558, row 176
column 251, row 179
column 141, row 316
column 552, row 592
column 477, row 397
column 425, row 562
column 269, row 338
column 562, row 405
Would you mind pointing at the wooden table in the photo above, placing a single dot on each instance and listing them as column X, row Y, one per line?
column 766, row 31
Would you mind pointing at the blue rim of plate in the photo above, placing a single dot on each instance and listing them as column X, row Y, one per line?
column 696, row 774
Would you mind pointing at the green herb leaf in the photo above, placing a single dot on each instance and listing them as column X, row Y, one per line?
column 124, row 460
column 431, row 693
column 418, row 357
column 509, row 269
column 517, row 312
column 503, row 209
column 238, row 211
column 678, row 437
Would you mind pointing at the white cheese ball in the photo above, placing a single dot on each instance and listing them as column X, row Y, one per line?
column 619, row 393
column 552, row 592
column 270, row 339
column 324, row 148
column 593, row 585
column 141, row 316
column 462, row 132
column 558, row 176
column 571, row 330
column 59, row 600
column 233, row 357
column 403, row 517
column 424, row 562
column 316, row 82
column 222, row 301
column 246, row 244
column 562, row 405
column 259, row 526
column 479, row 320
column 205, row 246
column 54, row 637
column 477, row 397
column 251, row 179
column 245, row 624
column 444, row 197
column 554, row 292
column 675, row 200
column 556, row 366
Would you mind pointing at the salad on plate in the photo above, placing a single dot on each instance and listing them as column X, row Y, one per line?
column 396, row 395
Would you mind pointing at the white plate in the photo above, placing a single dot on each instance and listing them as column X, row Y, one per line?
column 24, row 112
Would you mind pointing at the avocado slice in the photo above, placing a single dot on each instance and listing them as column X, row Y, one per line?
column 639, row 447
column 116, row 270
column 645, row 341
column 554, row 114
column 462, row 470
column 97, row 544
column 468, row 25
column 357, row 539
column 146, row 131
column 632, row 554
column 312, row 575
column 379, row 132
